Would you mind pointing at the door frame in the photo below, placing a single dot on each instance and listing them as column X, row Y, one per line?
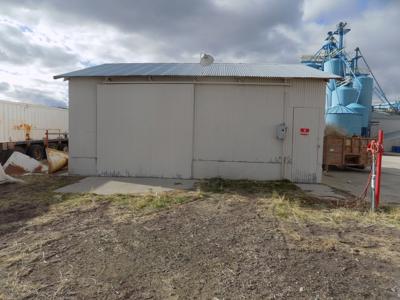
column 318, row 133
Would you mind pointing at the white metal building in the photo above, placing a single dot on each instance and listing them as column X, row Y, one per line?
column 189, row 121
column 390, row 124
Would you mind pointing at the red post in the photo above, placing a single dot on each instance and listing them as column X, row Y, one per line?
column 378, row 167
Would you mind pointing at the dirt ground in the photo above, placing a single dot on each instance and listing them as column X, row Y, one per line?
column 226, row 240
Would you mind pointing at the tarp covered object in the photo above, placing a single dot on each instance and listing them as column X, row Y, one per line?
column 6, row 178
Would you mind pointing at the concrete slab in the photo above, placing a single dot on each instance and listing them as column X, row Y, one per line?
column 353, row 181
column 126, row 185
column 321, row 191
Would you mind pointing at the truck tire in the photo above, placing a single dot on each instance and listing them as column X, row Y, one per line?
column 36, row 152
column 20, row 149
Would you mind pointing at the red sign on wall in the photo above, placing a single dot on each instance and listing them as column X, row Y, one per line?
column 304, row 131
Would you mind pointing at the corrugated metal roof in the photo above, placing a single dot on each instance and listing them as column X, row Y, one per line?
column 196, row 70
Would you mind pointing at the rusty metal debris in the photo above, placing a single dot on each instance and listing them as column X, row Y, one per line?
column 4, row 178
column 19, row 163
column 57, row 159
column 26, row 128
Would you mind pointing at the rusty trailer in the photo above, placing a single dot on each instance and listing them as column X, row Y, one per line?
column 342, row 152
column 29, row 128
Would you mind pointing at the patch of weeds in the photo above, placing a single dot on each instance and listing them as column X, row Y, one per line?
column 151, row 202
column 325, row 213
column 219, row 185
column 391, row 214
column 314, row 227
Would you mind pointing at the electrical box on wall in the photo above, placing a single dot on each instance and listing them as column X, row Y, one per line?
column 281, row 131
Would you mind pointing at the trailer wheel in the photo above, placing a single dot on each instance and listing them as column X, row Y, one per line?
column 36, row 152
column 20, row 149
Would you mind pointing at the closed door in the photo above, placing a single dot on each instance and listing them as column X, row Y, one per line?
column 235, row 131
column 145, row 130
column 305, row 144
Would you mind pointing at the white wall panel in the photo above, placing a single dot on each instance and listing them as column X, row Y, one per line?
column 237, row 170
column 82, row 121
column 305, row 144
column 145, row 130
column 304, row 93
column 82, row 165
column 238, row 123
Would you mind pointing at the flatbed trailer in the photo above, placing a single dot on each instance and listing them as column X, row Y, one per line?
column 30, row 128
column 35, row 148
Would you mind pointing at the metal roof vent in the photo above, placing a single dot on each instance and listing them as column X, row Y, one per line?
column 206, row 59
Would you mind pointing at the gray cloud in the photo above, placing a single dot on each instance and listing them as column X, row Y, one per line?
column 4, row 86
column 34, row 96
column 16, row 48
column 178, row 30
column 186, row 26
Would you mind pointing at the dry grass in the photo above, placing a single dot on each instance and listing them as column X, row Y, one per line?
column 316, row 227
column 326, row 215
column 285, row 200
column 306, row 223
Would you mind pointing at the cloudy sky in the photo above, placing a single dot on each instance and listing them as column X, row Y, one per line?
column 42, row 38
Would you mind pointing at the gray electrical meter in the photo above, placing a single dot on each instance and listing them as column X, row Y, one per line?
column 281, row 131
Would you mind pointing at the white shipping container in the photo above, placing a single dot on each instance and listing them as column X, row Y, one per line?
column 17, row 119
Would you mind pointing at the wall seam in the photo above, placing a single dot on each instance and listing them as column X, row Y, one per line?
column 193, row 131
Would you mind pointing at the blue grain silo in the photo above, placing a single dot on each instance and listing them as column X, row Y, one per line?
column 365, row 85
column 328, row 97
column 334, row 66
column 344, row 95
column 344, row 118
column 362, row 110
column 349, row 98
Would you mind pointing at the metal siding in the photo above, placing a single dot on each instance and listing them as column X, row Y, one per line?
column 40, row 118
column 235, row 131
column 145, row 130
column 196, row 70
column 300, row 93
column 84, row 166
column 389, row 124
column 82, row 126
column 236, row 170
column 305, row 150
column 303, row 93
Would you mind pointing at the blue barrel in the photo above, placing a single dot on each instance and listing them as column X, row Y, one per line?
column 362, row 110
column 344, row 118
column 344, row 95
column 334, row 66
column 396, row 149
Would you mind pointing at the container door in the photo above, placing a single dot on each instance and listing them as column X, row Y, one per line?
column 145, row 130
column 305, row 144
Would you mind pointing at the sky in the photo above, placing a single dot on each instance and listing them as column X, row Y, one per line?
column 43, row 38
